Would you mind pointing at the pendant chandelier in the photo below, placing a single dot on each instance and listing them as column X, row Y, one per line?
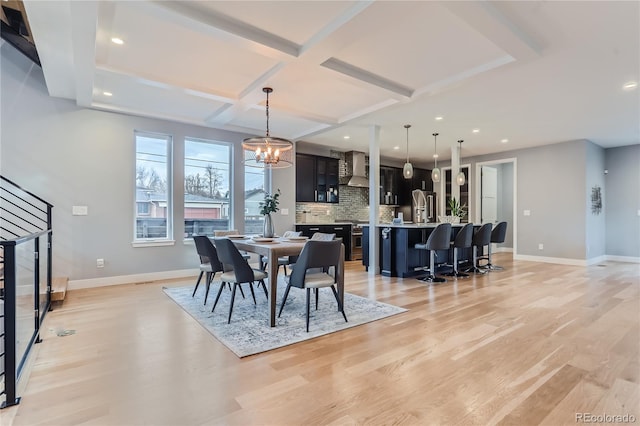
column 407, row 170
column 268, row 152
column 460, row 178
column 435, row 173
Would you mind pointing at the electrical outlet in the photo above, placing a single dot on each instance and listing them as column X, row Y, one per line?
column 99, row 263
column 540, row 246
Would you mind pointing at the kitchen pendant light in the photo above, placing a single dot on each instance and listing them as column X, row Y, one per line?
column 407, row 170
column 435, row 173
column 460, row 178
column 268, row 152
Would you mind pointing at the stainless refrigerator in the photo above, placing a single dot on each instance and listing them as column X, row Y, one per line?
column 424, row 208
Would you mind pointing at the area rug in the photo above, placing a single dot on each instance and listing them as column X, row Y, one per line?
column 249, row 332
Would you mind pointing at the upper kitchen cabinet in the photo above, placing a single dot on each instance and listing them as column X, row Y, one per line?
column 317, row 179
column 422, row 180
column 390, row 185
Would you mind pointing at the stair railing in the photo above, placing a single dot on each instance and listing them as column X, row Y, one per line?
column 25, row 280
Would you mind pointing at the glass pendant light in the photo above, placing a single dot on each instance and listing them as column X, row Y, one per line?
column 460, row 178
column 435, row 173
column 407, row 170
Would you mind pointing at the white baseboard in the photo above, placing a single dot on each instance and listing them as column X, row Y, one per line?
column 502, row 250
column 629, row 259
column 577, row 262
column 130, row 279
column 558, row 260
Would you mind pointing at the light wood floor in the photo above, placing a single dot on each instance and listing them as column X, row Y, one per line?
column 533, row 344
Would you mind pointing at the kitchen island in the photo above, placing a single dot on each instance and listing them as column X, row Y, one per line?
column 398, row 255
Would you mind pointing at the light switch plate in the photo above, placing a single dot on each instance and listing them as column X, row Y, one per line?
column 527, row 212
column 80, row 210
column 284, row 212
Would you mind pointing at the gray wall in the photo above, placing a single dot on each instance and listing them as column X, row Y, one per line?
column 505, row 200
column 595, row 232
column 622, row 201
column 74, row 156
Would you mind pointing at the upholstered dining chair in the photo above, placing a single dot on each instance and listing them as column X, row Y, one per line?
column 283, row 260
column 209, row 262
column 218, row 233
column 315, row 254
column 241, row 273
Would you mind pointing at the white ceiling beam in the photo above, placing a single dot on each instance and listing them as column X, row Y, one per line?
column 211, row 20
column 366, row 76
column 489, row 21
column 50, row 24
column 84, row 21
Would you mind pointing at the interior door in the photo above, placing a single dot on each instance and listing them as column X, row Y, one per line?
column 489, row 197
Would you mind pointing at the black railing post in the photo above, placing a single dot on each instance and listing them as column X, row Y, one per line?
column 10, row 326
column 36, row 288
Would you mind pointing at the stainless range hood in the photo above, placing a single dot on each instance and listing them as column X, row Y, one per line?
column 356, row 169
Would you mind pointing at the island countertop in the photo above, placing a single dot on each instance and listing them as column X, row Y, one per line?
column 411, row 225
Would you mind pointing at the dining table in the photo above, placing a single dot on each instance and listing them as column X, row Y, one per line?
column 272, row 250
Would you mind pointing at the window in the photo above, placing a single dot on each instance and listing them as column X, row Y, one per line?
column 207, row 192
column 253, row 195
column 153, row 188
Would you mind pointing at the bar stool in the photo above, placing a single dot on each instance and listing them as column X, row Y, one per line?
column 439, row 239
column 463, row 240
column 498, row 235
column 482, row 237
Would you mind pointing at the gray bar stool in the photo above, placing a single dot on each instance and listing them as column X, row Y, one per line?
column 482, row 237
column 463, row 239
column 439, row 239
column 498, row 235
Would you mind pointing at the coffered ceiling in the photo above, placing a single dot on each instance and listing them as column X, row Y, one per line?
column 532, row 73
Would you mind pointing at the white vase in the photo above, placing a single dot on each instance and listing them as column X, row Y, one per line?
column 268, row 231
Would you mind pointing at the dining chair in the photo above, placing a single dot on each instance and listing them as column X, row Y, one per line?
column 283, row 260
column 218, row 233
column 241, row 273
column 209, row 262
column 315, row 254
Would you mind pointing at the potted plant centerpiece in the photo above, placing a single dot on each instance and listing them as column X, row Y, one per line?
column 458, row 211
column 267, row 206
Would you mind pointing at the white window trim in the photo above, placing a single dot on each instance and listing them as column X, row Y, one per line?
column 146, row 242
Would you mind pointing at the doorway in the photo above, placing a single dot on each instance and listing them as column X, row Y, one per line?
column 496, row 197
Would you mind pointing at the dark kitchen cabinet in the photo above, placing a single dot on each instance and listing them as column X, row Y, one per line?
column 317, row 179
column 389, row 185
column 422, row 180
column 342, row 231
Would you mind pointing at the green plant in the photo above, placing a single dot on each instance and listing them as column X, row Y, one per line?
column 456, row 208
column 270, row 203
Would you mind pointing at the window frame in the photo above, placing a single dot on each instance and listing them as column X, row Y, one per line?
column 168, row 240
column 231, row 166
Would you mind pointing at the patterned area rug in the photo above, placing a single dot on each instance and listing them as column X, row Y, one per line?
column 249, row 332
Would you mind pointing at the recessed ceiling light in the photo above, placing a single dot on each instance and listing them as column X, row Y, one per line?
column 117, row 40
column 396, row 147
column 504, row 140
column 107, row 93
column 476, row 130
column 347, row 137
column 630, row 85
column 438, row 118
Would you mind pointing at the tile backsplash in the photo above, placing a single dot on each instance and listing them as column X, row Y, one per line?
column 354, row 205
